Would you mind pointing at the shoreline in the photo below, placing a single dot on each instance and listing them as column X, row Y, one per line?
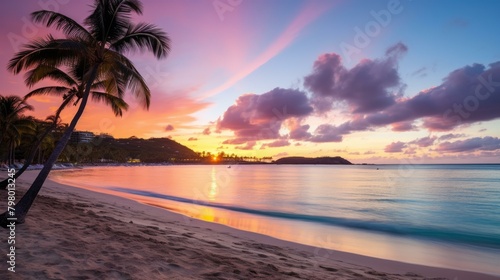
column 174, row 245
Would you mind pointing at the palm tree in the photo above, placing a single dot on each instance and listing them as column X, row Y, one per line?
column 71, row 86
column 100, row 49
column 42, row 140
column 14, row 137
column 13, row 124
column 12, row 109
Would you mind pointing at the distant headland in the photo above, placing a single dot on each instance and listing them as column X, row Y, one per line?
column 317, row 160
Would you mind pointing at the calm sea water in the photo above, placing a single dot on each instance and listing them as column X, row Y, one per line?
column 439, row 215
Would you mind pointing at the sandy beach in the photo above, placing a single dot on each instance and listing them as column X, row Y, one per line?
column 73, row 233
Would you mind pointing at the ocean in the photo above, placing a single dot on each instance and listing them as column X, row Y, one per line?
column 437, row 215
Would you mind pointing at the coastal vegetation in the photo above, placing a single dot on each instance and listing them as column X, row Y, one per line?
column 95, row 53
column 104, row 149
column 13, row 124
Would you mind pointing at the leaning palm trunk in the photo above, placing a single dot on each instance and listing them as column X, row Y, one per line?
column 29, row 160
column 24, row 205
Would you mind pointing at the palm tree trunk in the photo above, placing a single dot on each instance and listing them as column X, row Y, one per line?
column 2, row 135
column 11, row 145
column 4, row 183
column 24, row 205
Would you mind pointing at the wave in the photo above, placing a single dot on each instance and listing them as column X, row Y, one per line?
column 490, row 240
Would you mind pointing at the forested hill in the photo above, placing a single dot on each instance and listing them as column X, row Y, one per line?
column 318, row 160
column 154, row 150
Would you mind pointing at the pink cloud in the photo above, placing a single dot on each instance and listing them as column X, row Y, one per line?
column 471, row 145
column 403, row 126
column 206, row 131
column 424, row 142
column 256, row 117
column 248, row 146
column 395, row 147
column 276, row 144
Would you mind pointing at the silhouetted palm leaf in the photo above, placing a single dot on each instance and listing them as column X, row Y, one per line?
column 142, row 36
column 66, row 24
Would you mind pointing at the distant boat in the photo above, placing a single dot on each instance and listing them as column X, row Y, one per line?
column 229, row 166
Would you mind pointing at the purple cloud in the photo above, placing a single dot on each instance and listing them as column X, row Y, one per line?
column 300, row 132
column 450, row 136
column 395, row 147
column 331, row 133
column 327, row 133
column 370, row 86
column 258, row 117
column 169, row 127
column 372, row 91
column 468, row 95
column 235, row 141
column 424, row 142
column 277, row 143
column 248, row 146
column 403, row 126
column 470, row 145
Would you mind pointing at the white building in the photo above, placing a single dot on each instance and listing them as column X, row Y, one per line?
column 82, row 137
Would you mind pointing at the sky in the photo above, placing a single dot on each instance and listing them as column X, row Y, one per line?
column 373, row 81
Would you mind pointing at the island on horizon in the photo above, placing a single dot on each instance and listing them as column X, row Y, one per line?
column 307, row 160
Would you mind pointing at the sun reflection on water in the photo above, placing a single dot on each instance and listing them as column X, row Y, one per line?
column 214, row 188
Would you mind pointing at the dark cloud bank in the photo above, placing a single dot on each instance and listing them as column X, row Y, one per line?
column 372, row 95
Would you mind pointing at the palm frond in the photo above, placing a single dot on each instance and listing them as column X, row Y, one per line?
column 118, row 105
column 98, row 85
column 50, row 90
column 81, row 68
column 66, row 24
column 137, row 85
column 110, row 19
column 18, row 127
column 50, row 52
column 11, row 107
column 42, row 72
column 142, row 36
column 53, row 118
column 113, row 84
column 128, row 76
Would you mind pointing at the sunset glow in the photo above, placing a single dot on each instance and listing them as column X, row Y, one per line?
column 387, row 81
